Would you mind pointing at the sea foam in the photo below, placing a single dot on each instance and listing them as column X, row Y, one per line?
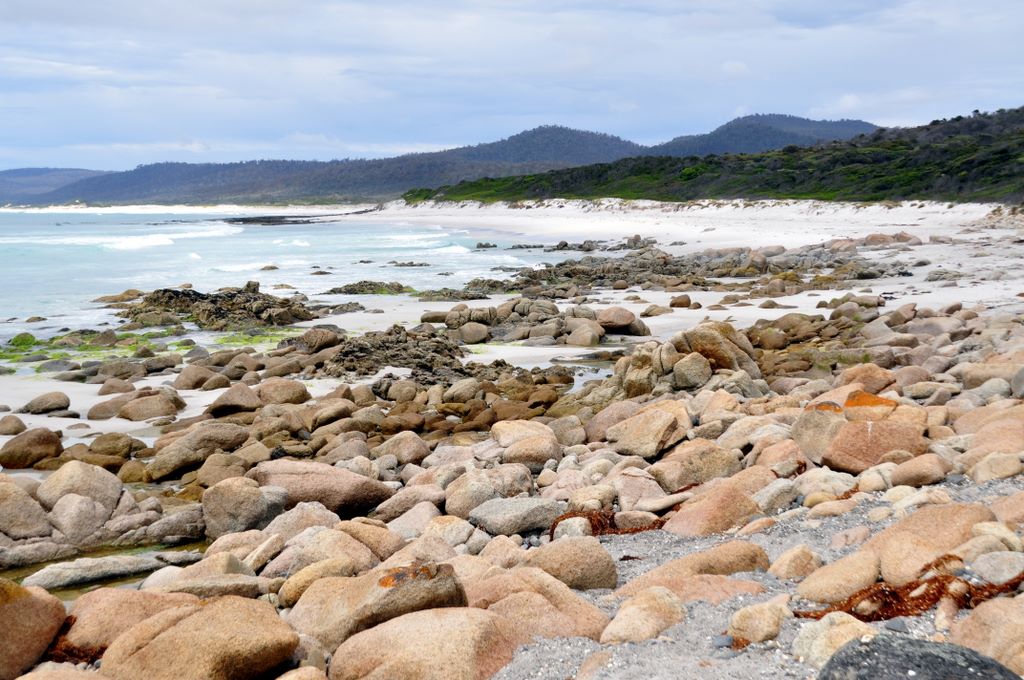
column 121, row 241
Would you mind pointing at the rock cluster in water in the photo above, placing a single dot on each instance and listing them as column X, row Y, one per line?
column 236, row 308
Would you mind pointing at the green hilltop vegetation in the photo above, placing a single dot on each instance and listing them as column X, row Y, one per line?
column 967, row 158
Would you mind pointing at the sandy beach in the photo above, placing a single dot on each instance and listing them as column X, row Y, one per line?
column 701, row 224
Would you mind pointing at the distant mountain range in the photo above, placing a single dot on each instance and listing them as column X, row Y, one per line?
column 270, row 181
column 967, row 158
column 26, row 183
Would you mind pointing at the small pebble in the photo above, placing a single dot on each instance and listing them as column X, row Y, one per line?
column 897, row 625
column 721, row 641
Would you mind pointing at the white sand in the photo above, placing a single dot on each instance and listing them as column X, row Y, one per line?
column 702, row 224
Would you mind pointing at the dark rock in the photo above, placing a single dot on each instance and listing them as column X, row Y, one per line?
column 897, row 625
column 123, row 370
column 348, row 308
column 32, row 358
column 155, row 364
column 370, row 288
column 231, row 308
column 451, row 295
column 144, row 352
column 58, row 365
column 896, row 657
column 721, row 641
column 366, row 354
column 107, row 338
column 313, row 340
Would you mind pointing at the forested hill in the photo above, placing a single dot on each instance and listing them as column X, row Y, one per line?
column 762, row 132
column 263, row 182
column 967, row 158
column 550, row 143
column 538, row 150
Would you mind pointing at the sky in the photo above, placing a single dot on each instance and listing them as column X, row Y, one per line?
column 113, row 84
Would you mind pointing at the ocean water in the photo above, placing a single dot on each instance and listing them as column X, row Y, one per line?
column 53, row 264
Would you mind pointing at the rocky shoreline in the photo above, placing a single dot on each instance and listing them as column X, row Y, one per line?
column 833, row 488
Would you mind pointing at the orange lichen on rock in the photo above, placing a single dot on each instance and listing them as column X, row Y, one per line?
column 861, row 405
column 399, row 575
column 862, row 398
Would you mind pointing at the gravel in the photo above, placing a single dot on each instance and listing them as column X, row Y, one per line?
column 692, row 648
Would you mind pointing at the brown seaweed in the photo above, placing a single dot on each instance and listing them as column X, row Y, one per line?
column 602, row 523
column 882, row 601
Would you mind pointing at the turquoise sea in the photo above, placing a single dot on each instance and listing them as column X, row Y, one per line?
column 53, row 264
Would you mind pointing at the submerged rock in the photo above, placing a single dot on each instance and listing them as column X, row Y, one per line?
column 92, row 569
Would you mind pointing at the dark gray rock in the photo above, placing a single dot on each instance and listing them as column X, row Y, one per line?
column 231, row 308
column 507, row 516
column 897, row 657
column 897, row 625
column 58, row 365
column 1017, row 384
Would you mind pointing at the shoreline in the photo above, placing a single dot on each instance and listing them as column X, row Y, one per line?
column 182, row 209
column 612, row 218
column 730, row 227
column 732, row 418
column 702, row 224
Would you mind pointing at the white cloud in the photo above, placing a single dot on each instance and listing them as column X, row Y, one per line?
column 369, row 78
column 193, row 147
column 876, row 106
column 735, row 68
column 31, row 67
